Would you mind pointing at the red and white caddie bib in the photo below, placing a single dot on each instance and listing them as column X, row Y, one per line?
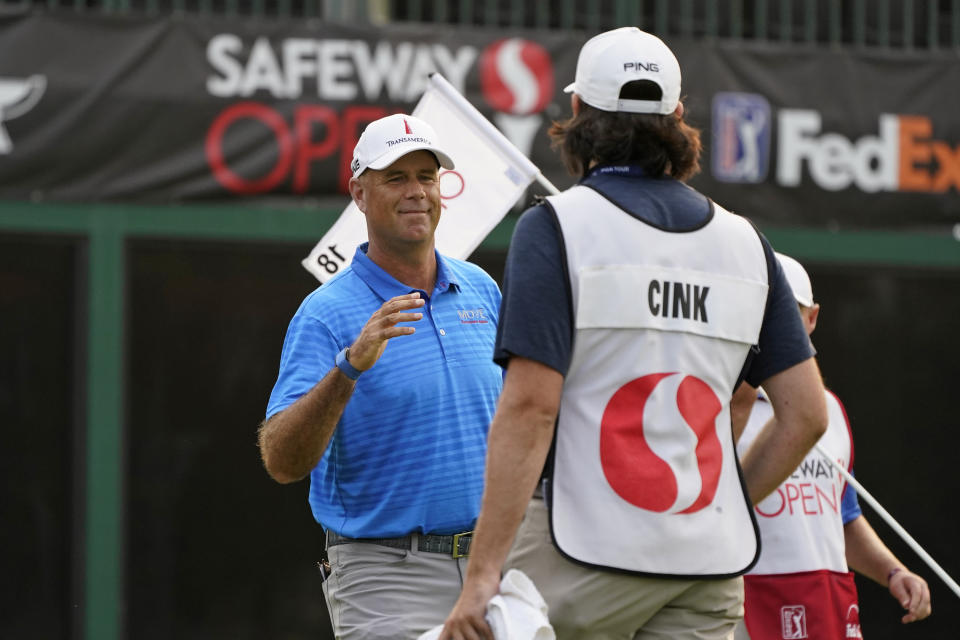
column 645, row 479
column 801, row 586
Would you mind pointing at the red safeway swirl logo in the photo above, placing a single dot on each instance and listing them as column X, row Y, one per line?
column 640, row 474
column 516, row 76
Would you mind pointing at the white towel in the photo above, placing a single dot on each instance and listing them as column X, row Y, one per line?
column 518, row 612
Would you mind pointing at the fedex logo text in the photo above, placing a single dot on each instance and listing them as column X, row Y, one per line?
column 902, row 157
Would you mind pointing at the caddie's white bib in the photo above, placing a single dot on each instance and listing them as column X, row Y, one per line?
column 801, row 523
column 645, row 477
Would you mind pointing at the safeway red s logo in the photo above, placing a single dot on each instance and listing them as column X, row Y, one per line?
column 516, row 76
column 18, row 96
column 659, row 447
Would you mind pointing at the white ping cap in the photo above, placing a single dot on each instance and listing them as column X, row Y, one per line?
column 610, row 60
column 384, row 141
column 798, row 279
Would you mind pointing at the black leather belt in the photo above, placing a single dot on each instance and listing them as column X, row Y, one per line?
column 456, row 545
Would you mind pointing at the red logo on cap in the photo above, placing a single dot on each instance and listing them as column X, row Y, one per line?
column 406, row 127
column 639, row 474
column 516, row 76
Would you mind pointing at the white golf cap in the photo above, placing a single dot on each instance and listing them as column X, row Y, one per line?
column 610, row 60
column 798, row 279
column 385, row 140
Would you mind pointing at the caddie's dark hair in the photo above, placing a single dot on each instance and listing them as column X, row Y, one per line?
column 660, row 144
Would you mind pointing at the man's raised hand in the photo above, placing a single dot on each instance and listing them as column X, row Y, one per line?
column 383, row 325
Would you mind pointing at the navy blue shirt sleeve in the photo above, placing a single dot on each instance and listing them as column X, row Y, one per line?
column 536, row 320
column 783, row 341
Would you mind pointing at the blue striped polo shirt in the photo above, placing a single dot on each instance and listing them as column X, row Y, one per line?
column 408, row 452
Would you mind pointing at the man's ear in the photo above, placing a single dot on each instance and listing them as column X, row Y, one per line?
column 575, row 103
column 358, row 194
column 813, row 314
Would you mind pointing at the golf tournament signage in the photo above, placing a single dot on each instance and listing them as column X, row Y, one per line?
column 167, row 110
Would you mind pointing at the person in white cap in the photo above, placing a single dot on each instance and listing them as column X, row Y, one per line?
column 384, row 396
column 812, row 530
column 632, row 307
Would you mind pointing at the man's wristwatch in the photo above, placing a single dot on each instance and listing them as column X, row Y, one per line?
column 343, row 363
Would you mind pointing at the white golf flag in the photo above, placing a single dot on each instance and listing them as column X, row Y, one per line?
column 490, row 177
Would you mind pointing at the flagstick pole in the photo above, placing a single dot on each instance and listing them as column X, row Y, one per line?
column 546, row 184
column 890, row 521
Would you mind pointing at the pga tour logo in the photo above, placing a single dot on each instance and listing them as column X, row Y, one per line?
column 793, row 622
column 741, row 137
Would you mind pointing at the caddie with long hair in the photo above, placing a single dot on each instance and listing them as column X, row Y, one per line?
column 632, row 308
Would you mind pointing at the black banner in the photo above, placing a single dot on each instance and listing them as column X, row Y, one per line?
column 830, row 138
column 176, row 109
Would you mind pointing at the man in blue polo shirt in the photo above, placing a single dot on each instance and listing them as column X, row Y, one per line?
column 385, row 392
